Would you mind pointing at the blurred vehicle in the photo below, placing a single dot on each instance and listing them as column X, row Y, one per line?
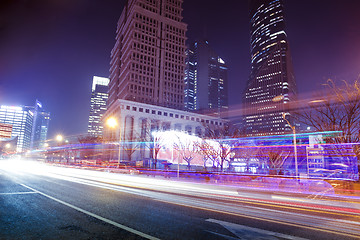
column 116, row 168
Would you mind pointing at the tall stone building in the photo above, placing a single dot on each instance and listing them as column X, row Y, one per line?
column 148, row 59
column 272, row 83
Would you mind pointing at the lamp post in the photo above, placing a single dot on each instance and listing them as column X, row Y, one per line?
column 294, row 139
column 112, row 123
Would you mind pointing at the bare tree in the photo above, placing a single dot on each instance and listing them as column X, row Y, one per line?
column 221, row 134
column 131, row 145
column 247, row 153
column 337, row 108
column 209, row 152
column 155, row 147
column 276, row 159
column 186, row 147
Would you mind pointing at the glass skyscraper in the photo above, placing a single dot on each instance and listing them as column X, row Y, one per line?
column 99, row 97
column 205, row 79
column 272, row 83
column 40, row 128
column 28, row 123
column 21, row 120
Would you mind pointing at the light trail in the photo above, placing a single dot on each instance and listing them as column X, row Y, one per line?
column 224, row 199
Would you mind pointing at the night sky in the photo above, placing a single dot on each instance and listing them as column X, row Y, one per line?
column 51, row 49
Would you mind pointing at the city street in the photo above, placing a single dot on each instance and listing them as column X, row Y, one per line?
column 49, row 202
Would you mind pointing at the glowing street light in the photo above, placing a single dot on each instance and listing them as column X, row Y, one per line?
column 113, row 123
column 59, row 138
column 8, row 145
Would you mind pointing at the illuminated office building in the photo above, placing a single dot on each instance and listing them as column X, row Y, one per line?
column 21, row 120
column 148, row 59
column 40, row 128
column 272, row 83
column 205, row 79
column 99, row 97
column 29, row 124
column 190, row 90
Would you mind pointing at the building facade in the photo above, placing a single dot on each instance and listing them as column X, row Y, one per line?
column 41, row 120
column 99, row 97
column 206, row 79
column 29, row 125
column 136, row 123
column 272, row 83
column 148, row 59
column 21, row 120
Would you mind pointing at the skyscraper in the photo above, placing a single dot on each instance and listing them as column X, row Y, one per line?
column 99, row 97
column 21, row 120
column 40, row 127
column 272, row 83
column 205, row 79
column 29, row 124
column 148, row 59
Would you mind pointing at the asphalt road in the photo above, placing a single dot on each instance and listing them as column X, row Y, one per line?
column 42, row 202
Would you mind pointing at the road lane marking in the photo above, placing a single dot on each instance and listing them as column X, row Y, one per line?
column 15, row 193
column 141, row 234
column 238, row 230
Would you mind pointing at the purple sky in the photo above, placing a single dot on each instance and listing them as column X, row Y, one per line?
column 50, row 49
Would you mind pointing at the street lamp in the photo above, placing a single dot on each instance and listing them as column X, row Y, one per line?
column 7, row 146
column 113, row 123
column 294, row 139
column 59, row 138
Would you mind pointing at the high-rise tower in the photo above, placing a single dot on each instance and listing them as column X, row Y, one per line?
column 27, row 123
column 205, row 79
column 40, row 127
column 272, row 83
column 99, row 97
column 148, row 59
